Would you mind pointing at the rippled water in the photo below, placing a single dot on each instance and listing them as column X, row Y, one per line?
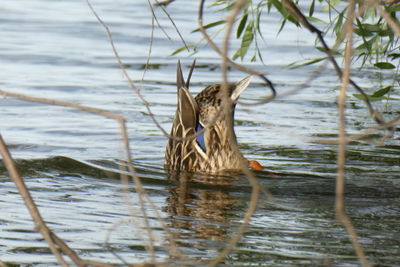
column 70, row 159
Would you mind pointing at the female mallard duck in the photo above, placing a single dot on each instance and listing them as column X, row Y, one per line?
column 213, row 150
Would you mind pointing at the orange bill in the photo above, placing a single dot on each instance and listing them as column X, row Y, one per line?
column 253, row 164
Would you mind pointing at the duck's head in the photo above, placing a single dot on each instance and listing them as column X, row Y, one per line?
column 210, row 99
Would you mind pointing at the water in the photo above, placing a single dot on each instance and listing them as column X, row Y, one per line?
column 70, row 160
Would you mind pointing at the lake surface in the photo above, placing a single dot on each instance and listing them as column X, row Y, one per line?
column 70, row 159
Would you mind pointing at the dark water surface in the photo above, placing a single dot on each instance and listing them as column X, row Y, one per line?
column 56, row 49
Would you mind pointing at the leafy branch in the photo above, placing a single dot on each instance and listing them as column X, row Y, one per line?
column 376, row 45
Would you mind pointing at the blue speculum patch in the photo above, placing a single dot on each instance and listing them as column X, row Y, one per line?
column 200, row 137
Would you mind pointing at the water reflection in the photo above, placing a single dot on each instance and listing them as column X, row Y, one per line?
column 199, row 208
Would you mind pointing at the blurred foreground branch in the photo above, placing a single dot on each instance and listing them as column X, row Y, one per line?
column 51, row 238
column 56, row 245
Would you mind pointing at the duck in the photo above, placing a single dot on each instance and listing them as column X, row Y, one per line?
column 202, row 137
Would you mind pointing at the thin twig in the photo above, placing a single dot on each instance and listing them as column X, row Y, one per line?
column 136, row 179
column 296, row 13
column 124, row 137
column 141, row 192
column 97, row 111
column 174, row 25
column 227, row 109
column 137, row 89
column 146, row 66
column 40, row 225
column 225, row 62
column 368, row 132
column 232, row 63
column 108, row 237
column 158, row 23
column 341, row 157
column 394, row 25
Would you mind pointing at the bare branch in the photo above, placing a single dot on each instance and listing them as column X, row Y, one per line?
column 296, row 13
column 40, row 225
column 232, row 63
column 341, row 157
column 250, row 175
column 174, row 25
column 394, row 25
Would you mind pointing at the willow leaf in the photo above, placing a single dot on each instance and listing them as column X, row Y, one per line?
column 382, row 92
column 247, row 39
column 242, row 24
column 183, row 48
column 210, row 25
column 384, row 65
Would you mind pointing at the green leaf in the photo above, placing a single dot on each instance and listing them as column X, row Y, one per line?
column 370, row 13
column 371, row 27
column 260, row 56
column 226, row 4
column 338, row 26
column 316, row 20
column 367, row 45
column 331, row 4
column 269, row 4
column 282, row 25
column 241, row 26
column 237, row 54
column 217, row 3
column 258, row 23
column 278, row 5
column 311, row 11
column 365, row 29
column 363, row 32
column 183, row 48
column 295, row 65
column 247, row 39
column 370, row 98
column 322, row 49
column 382, row 92
column 394, row 55
column 210, row 25
column 393, row 8
column 386, row 32
column 377, row 95
column 384, row 65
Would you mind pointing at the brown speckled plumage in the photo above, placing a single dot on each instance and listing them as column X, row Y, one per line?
column 216, row 153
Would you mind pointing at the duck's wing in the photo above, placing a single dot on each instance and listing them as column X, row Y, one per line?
column 180, row 153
